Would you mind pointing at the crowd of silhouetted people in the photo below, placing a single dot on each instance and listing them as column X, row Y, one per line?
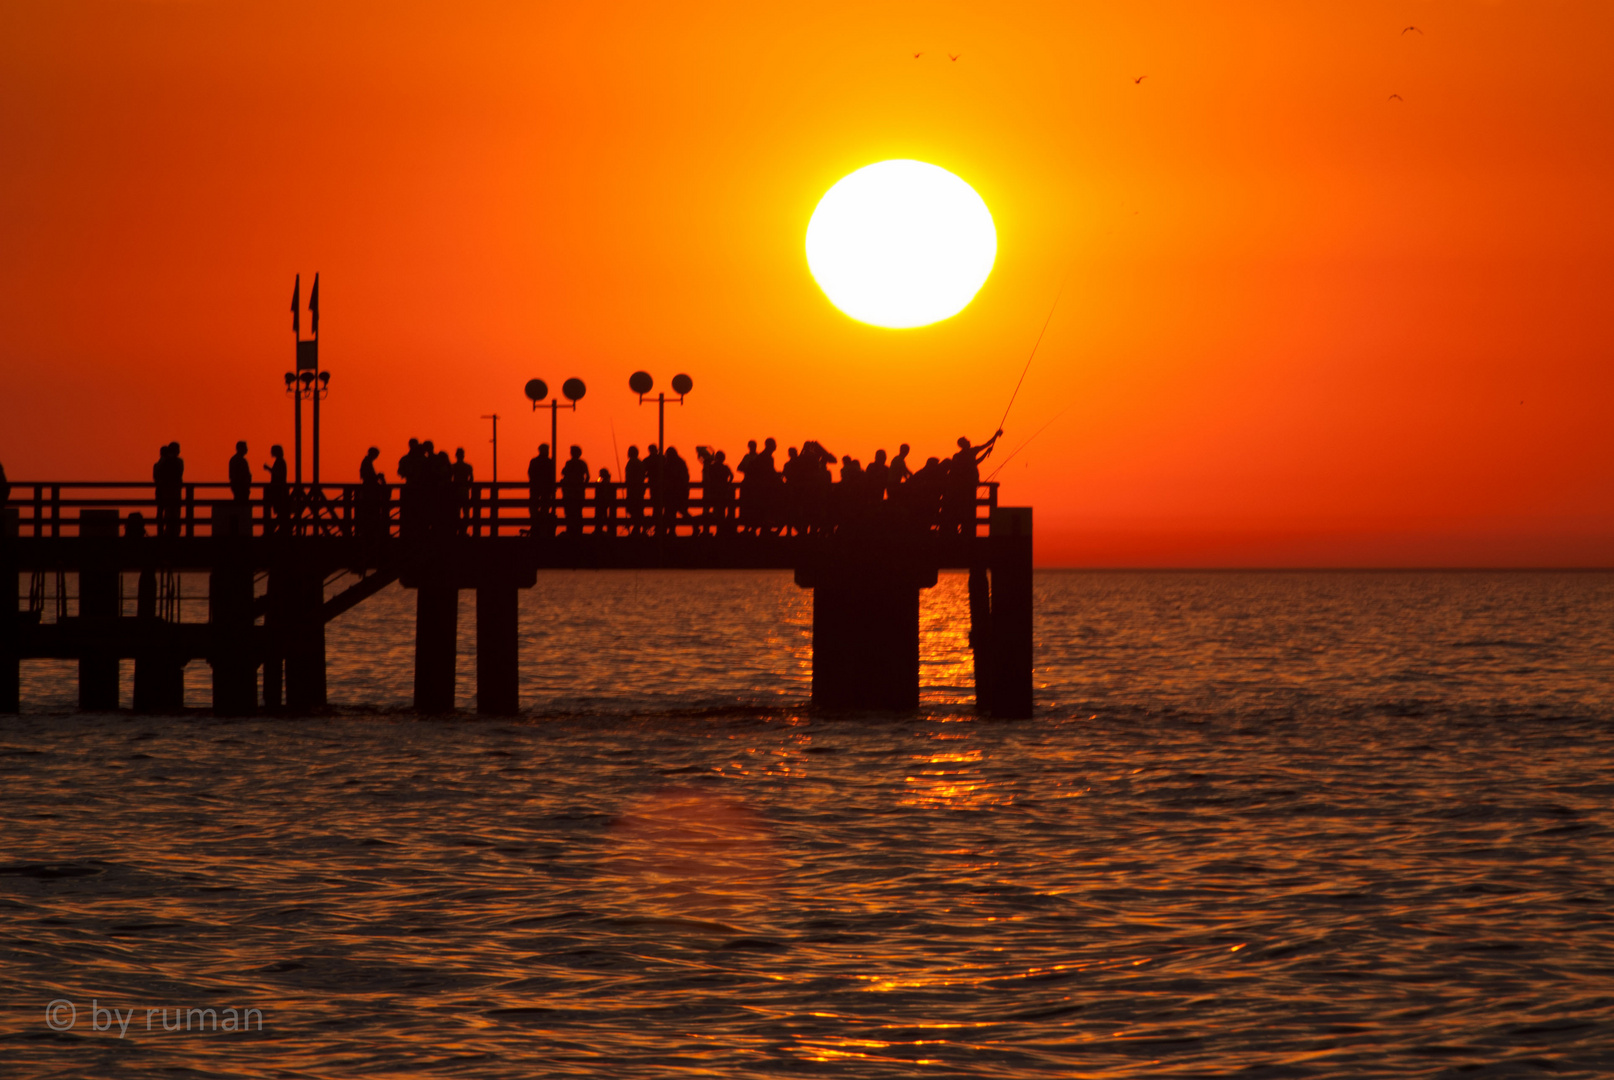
column 800, row 496
column 758, row 495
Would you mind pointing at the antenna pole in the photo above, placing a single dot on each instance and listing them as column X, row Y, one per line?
column 314, row 442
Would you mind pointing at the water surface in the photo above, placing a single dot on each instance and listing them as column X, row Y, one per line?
column 1263, row 825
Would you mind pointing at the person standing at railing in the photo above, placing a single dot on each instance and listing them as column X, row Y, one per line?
column 676, row 472
column 241, row 475
column 963, row 480
column 541, row 492
column 573, row 490
column 875, row 478
column 897, row 474
column 717, row 493
column 168, row 478
column 463, row 478
column 605, row 505
column 633, row 475
column 276, row 497
column 656, row 480
column 372, row 497
column 5, row 488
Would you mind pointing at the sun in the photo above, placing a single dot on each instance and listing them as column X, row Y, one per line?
column 901, row 243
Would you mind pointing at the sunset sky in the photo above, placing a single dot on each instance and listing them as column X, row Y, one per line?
column 1303, row 323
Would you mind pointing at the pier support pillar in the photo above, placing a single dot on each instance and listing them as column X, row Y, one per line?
column 159, row 674
column 865, row 633
column 98, row 599
column 10, row 621
column 980, row 586
column 235, row 667
column 1010, row 651
column 436, row 626
column 497, row 661
column 301, row 636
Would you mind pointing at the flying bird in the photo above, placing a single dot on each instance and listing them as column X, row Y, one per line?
column 1139, row 79
column 917, row 55
column 953, row 56
column 1404, row 32
column 1395, row 97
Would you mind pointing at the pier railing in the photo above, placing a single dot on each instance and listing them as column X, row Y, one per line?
column 481, row 509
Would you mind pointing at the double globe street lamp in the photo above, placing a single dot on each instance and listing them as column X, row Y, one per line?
column 641, row 383
column 537, row 390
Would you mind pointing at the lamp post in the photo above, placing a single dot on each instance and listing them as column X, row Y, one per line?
column 537, row 390
column 495, row 440
column 641, row 383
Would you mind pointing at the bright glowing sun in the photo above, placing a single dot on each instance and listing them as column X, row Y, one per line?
column 901, row 243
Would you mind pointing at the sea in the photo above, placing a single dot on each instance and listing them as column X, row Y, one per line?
column 1263, row 824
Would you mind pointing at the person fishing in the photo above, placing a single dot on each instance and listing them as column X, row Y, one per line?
column 963, row 481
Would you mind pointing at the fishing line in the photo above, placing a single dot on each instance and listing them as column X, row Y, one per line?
column 614, row 452
column 1033, row 355
column 1027, row 443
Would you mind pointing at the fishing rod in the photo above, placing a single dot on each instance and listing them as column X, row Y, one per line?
column 1033, row 356
column 1027, row 443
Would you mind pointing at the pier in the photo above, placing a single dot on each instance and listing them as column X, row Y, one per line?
column 277, row 573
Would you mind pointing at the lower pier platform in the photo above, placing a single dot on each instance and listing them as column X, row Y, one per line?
column 866, row 585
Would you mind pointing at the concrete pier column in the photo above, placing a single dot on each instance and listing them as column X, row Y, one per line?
column 497, row 660
column 10, row 621
column 981, row 636
column 1011, row 648
column 301, row 637
column 274, row 647
column 865, row 632
column 436, row 624
column 98, row 600
column 235, row 666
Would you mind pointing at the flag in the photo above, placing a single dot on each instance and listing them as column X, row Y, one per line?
column 313, row 305
column 296, row 315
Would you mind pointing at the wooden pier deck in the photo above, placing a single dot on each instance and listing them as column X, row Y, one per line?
column 277, row 574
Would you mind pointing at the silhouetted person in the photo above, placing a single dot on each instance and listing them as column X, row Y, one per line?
column 676, row 499
column 406, row 464
column 5, row 488
column 541, row 492
column 849, row 496
column 442, row 491
column 751, row 497
column 876, row 476
column 923, row 493
column 656, row 481
column 276, row 498
column 573, row 489
column 463, row 477
column 168, row 476
column 633, row 476
column 241, row 474
column 963, row 478
column 819, row 485
column 372, row 497
column 605, row 505
column 897, row 474
column 717, row 488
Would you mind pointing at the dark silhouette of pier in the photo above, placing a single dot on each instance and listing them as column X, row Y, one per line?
column 284, row 561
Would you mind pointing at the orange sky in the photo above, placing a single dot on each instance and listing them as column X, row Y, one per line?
column 1304, row 324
